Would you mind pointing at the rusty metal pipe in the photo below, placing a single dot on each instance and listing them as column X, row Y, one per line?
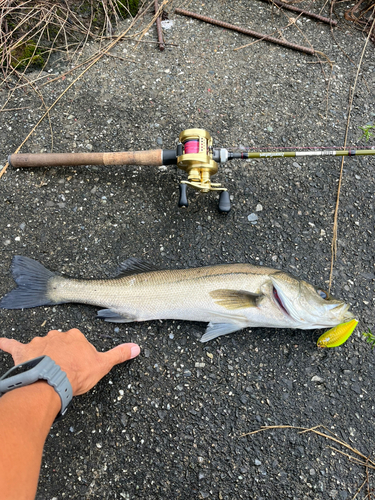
column 159, row 28
column 246, row 31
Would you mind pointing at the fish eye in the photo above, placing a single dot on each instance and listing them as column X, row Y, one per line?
column 322, row 293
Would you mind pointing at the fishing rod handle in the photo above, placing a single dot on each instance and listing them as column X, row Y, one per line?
column 152, row 157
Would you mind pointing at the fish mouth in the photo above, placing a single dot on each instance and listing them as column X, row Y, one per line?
column 344, row 312
column 279, row 301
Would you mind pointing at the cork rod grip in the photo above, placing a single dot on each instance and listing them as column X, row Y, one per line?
column 153, row 157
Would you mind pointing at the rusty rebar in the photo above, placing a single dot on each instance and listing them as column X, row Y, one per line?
column 159, row 28
column 306, row 13
column 246, row 31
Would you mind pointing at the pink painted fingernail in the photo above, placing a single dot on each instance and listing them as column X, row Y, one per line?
column 134, row 351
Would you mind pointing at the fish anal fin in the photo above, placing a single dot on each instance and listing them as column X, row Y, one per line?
column 215, row 330
column 115, row 317
column 135, row 266
column 235, row 299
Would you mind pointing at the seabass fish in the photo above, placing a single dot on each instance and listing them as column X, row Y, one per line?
column 228, row 297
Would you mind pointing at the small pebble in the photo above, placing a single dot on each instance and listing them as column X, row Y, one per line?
column 200, row 365
column 252, row 218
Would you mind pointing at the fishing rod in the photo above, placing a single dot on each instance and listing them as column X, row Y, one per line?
column 194, row 154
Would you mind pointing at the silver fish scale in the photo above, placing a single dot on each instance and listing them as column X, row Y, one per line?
column 168, row 294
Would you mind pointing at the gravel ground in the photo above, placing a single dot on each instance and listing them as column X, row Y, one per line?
column 171, row 423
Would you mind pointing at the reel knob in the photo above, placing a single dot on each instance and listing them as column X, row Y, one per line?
column 224, row 202
column 183, row 202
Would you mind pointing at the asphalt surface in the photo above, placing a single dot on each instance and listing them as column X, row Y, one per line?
column 171, row 423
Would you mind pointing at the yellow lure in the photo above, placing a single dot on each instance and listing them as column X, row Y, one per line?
column 337, row 335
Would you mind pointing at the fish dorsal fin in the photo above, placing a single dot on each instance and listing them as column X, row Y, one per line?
column 235, row 299
column 134, row 266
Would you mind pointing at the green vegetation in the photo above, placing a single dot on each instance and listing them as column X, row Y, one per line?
column 127, row 6
column 370, row 338
column 367, row 131
column 25, row 55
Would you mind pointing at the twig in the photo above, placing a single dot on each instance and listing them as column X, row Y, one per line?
column 359, row 489
column 315, row 431
column 245, row 31
column 367, row 462
column 36, row 90
column 335, row 225
column 354, row 459
column 306, row 13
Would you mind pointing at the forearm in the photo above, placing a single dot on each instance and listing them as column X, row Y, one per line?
column 26, row 415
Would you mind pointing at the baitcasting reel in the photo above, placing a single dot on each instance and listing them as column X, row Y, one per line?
column 197, row 157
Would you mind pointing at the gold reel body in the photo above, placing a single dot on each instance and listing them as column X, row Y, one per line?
column 196, row 159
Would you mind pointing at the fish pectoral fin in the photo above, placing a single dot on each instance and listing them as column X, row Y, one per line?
column 115, row 317
column 135, row 266
column 235, row 299
column 218, row 329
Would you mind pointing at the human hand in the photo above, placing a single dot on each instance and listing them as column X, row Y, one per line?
column 79, row 359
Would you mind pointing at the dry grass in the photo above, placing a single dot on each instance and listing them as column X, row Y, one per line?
column 362, row 15
column 15, row 78
column 350, row 452
column 32, row 30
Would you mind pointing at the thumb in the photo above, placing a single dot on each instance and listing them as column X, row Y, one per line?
column 8, row 345
column 121, row 353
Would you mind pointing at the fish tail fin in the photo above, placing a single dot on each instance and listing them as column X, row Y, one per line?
column 32, row 279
